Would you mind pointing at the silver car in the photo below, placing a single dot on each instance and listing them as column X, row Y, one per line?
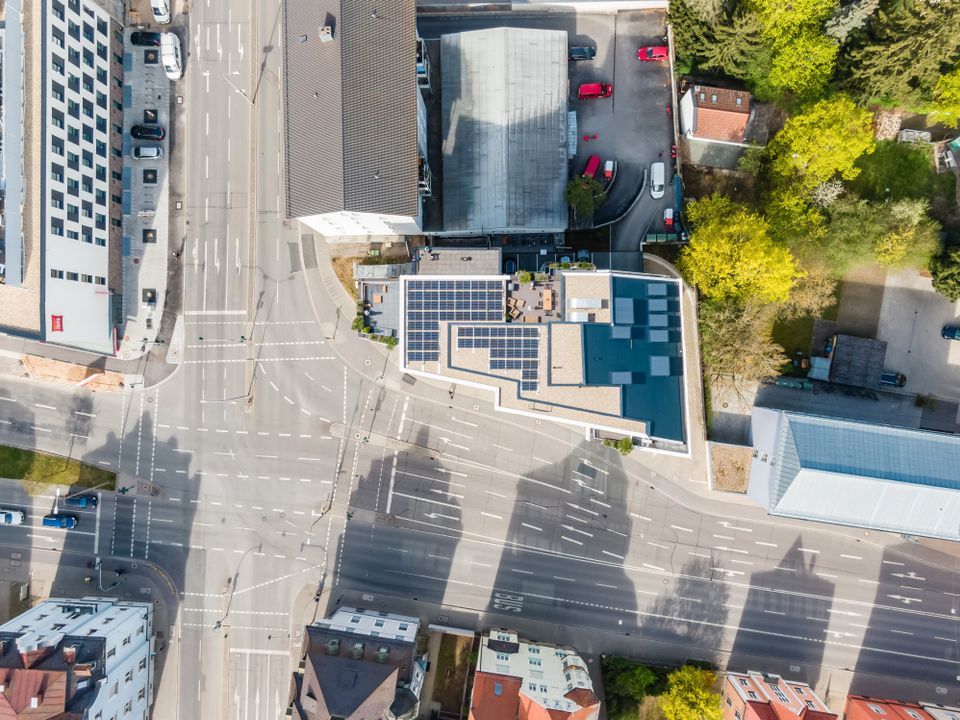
column 148, row 152
column 11, row 517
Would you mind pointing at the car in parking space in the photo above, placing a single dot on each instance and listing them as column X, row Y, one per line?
column 148, row 152
column 145, row 39
column 951, row 332
column 81, row 501
column 11, row 517
column 657, row 180
column 60, row 520
column 148, row 132
column 161, row 11
column 653, row 53
column 582, row 53
column 668, row 218
column 595, row 90
column 170, row 56
column 593, row 164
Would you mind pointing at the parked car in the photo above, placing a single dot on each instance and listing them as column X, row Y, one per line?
column 657, row 180
column 81, row 501
column 668, row 218
column 654, row 53
column 148, row 152
column 951, row 332
column 161, row 11
column 60, row 520
column 609, row 169
column 595, row 90
column 145, row 39
column 148, row 132
column 893, row 379
column 582, row 53
column 11, row 517
column 593, row 164
column 170, row 56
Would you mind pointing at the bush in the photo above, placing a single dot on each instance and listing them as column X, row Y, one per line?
column 624, row 445
column 523, row 277
column 584, row 195
column 625, row 685
column 541, row 276
column 358, row 323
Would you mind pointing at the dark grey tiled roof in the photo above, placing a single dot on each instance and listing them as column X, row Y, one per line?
column 350, row 107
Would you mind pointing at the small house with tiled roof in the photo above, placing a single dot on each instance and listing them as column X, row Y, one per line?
column 715, row 114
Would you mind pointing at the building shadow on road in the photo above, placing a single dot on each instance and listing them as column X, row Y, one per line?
column 785, row 617
column 912, row 640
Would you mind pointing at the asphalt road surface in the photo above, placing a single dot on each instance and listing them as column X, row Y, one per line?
column 285, row 456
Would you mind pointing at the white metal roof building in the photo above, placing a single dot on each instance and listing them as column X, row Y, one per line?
column 853, row 473
column 504, row 116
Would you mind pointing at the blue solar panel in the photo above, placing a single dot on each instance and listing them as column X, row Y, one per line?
column 511, row 347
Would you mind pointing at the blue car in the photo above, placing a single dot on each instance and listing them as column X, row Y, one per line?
column 81, row 501
column 60, row 520
column 951, row 332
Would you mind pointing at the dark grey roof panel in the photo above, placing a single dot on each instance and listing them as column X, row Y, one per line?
column 350, row 107
column 313, row 141
column 380, row 106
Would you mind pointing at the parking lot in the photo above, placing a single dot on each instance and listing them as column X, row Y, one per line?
column 911, row 317
column 632, row 127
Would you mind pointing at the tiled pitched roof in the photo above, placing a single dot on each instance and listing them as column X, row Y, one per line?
column 350, row 107
column 720, row 114
column 488, row 704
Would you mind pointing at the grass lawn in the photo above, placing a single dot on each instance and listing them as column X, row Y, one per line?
column 452, row 669
column 37, row 469
column 905, row 170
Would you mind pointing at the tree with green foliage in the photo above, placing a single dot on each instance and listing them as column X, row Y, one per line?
column 811, row 294
column 821, row 143
column 735, row 345
column 584, row 195
column 734, row 46
column 625, row 685
column 784, row 21
column 850, row 18
column 731, row 256
column 945, row 270
column 946, row 100
column 902, row 52
column 690, row 695
column 804, row 66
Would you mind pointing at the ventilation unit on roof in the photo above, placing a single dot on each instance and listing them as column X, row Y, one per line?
column 383, row 652
column 333, row 646
column 326, row 34
column 356, row 652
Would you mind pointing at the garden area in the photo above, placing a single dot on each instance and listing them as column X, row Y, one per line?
column 454, row 663
column 37, row 470
column 640, row 692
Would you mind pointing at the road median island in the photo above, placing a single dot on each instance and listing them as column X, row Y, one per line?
column 37, row 471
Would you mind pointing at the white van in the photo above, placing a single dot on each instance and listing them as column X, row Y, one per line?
column 161, row 11
column 657, row 173
column 170, row 56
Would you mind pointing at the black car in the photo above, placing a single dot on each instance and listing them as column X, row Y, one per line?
column 582, row 53
column 951, row 332
column 148, row 132
column 145, row 39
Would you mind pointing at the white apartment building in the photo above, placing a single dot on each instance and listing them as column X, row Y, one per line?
column 96, row 654
column 80, row 174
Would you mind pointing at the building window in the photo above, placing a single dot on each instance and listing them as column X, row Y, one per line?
column 798, row 689
column 88, row 108
column 532, row 687
column 743, row 681
column 73, row 57
column 102, row 27
column 143, row 664
column 533, row 650
column 502, row 656
column 142, row 694
column 813, row 706
column 739, row 101
column 498, row 689
column 128, row 678
column 57, row 90
column 779, row 693
column 58, row 274
column 57, row 63
column 752, row 694
column 110, row 653
column 128, row 707
column 101, row 280
column 73, row 82
column 126, row 640
column 56, row 172
column 737, row 714
column 73, row 235
column 535, row 662
column 56, row 226
column 729, row 701
column 86, row 278
column 56, row 199
column 72, row 276
column 914, row 714
column 878, row 710
column 713, row 98
column 102, row 242
column 58, row 9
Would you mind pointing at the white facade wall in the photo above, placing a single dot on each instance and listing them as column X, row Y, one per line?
column 126, row 692
column 13, row 179
column 346, row 225
column 76, row 175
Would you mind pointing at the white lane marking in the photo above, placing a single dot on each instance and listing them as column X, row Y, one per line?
column 653, row 567
column 607, row 552
column 267, row 457
column 640, row 517
column 496, row 494
column 561, row 577
column 680, row 528
column 541, row 460
column 766, row 544
column 851, row 557
column 463, row 422
column 808, row 550
column 85, row 414
column 503, row 447
column 522, row 572
column 604, row 585
column 575, row 542
column 490, row 515
column 8, row 399
column 532, row 527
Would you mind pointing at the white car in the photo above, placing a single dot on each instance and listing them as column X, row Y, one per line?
column 170, row 56
column 148, row 152
column 657, row 179
column 161, row 11
column 11, row 517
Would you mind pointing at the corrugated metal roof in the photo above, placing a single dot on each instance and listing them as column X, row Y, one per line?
column 853, row 473
column 350, row 107
column 504, row 115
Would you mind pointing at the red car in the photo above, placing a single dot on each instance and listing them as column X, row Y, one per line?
column 593, row 164
column 595, row 90
column 657, row 53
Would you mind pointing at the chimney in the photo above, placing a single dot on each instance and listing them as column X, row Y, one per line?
column 70, row 655
column 356, row 652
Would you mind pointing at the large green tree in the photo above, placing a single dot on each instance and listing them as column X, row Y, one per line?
column 804, row 65
column 690, row 695
column 625, row 684
column 821, row 143
column 731, row 256
column 945, row 271
column 946, row 100
column 903, row 52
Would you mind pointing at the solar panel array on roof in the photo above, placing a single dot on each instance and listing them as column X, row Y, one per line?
column 430, row 302
column 511, row 348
